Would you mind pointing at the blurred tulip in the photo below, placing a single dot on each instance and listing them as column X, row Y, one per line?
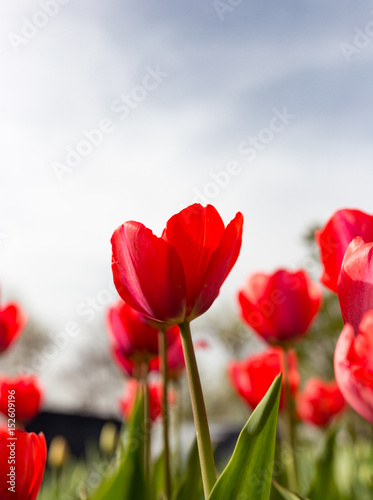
column 252, row 377
column 355, row 284
column 155, row 399
column 133, row 340
column 353, row 366
column 319, row 402
column 109, row 437
column 22, row 464
column 177, row 277
column 12, row 321
column 27, row 396
column 175, row 360
column 334, row 238
column 280, row 306
column 59, row 452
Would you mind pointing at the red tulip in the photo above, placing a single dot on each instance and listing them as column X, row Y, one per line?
column 252, row 377
column 334, row 238
column 27, row 396
column 155, row 399
column 353, row 366
column 22, row 463
column 355, row 284
column 177, row 277
column 281, row 306
column 12, row 320
column 320, row 401
column 133, row 340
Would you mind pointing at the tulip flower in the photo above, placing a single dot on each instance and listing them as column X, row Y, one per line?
column 22, row 464
column 27, row 396
column 280, row 306
column 353, row 366
column 334, row 238
column 155, row 399
column 133, row 340
column 355, row 283
column 12, row 321
column 252, row 377
column 58, row 453
column 177, row 277
column 173, row 280
column 320, row 401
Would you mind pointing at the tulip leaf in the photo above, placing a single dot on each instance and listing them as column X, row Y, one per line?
column 248, row 475
column 287, row 494
column 190, row 486
column 324, row 485
column 127, row 481
column 157, row 477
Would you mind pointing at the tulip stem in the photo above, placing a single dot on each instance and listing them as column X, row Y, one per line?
column 177, row 425
column 199, row 412
column 292, row 471
column 147, row 421
column 165, row 413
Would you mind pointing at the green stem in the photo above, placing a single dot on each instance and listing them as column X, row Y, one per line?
column 177, row 425
column 165, row 412
column 288, row 410
column 147, row 422
column 199, row 412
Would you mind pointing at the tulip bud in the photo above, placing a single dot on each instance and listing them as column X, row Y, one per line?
column 280, row 307
column 59, row 452
column 108, row 438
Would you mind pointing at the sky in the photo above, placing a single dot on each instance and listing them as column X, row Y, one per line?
column 123, row 110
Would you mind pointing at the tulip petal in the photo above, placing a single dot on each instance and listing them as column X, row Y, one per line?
column 320, row 401
column 256, row 318
column 355, row 284
column 196, row 233
column 27, row 393
column 12, row 320
column 300, row 301
column 334, row 238
column 37, row 455
column 30, row 458
column 221, row 262
column 148, row 273
column 130, row 332
column 252, row 377
column 354, row 378
column 280, row 306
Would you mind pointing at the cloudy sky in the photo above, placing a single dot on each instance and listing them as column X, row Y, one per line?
column 122, row 110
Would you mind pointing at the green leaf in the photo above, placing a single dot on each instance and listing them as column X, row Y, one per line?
column 248, row 475
column 190, row 487
column 157, row 478
column 127, row 482
column 323, row 485
column 287, row 494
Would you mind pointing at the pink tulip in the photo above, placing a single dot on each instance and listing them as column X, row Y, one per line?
column 353, row 366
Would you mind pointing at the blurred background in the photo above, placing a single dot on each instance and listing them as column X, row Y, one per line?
column 121, row 110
